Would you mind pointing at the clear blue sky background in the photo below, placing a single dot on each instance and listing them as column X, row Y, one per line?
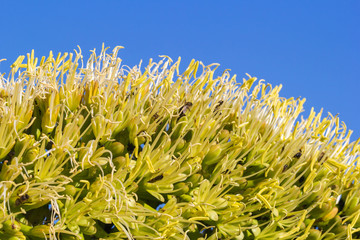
column 311, row 47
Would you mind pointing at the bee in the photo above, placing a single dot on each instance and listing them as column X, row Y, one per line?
column 218, row 105
column 302, row 180
column 184, row 109
column 155, row 116
column 130, row 94
column 321, row 155
column 298, row 155
column 282, row 149
column 155, row 179
column 22, row 199
column 227, row 171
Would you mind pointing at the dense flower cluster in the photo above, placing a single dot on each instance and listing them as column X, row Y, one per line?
column 104, row 151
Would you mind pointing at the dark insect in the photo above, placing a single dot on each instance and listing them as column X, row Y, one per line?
column 130, row 94
column 227, row 171
column 155, row 116
column 298, row 155
column 285, row 167
column 218, row 105
column 321, row 156
column 282, row 149
column 18, row 202
column 155, row 179
column 184, row 109
column 302, row 180
column 21, row 199
column 24, row 197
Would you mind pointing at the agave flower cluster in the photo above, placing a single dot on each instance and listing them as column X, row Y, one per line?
column 104, row 151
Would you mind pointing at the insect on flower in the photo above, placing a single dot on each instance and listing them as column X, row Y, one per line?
column 22, row 199
column 155, row 179
column 218, row 105
column 184, row 109
column 298, row 155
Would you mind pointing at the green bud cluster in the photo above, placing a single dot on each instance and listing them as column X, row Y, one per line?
column 103, row 151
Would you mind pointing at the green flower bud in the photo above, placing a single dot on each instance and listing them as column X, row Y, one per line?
column 91, row 91
column 330, row 215
column 224, row 135
column 314, row 234
column 70, row 190
column 40, row 231
column 17, row 236
column 166, row 143
column 24, row 120
column 11, row 227
column 25, row 229
column 83, row 221
column 30, row 155
column 72, row 97
column 120, row 162
column 212, row 215
column 213, row 155
column 186, row 198
column 319, row 212
column 9, row 172
column 91, row 230
column 73, row 227
column 98, row 126
column 194, row 179
column 50, row 111
column 179, row 127
column 72, row 237
column 351, row 206
column 180, row 145
column 313, row 195
column 141, row 137
column 256, row 231
column 116, row 148
column 222, row 203
column 26, row 141
column 96, row 157
column 329, row 236
column 340, row 229
column 189, row 135
column 180, row 188
column 332, row 223
column 133, row 130
column 60, row 204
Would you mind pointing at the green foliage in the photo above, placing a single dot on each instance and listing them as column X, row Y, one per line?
column 103, row 151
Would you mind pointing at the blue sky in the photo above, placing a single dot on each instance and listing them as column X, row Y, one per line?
column 311, row 47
